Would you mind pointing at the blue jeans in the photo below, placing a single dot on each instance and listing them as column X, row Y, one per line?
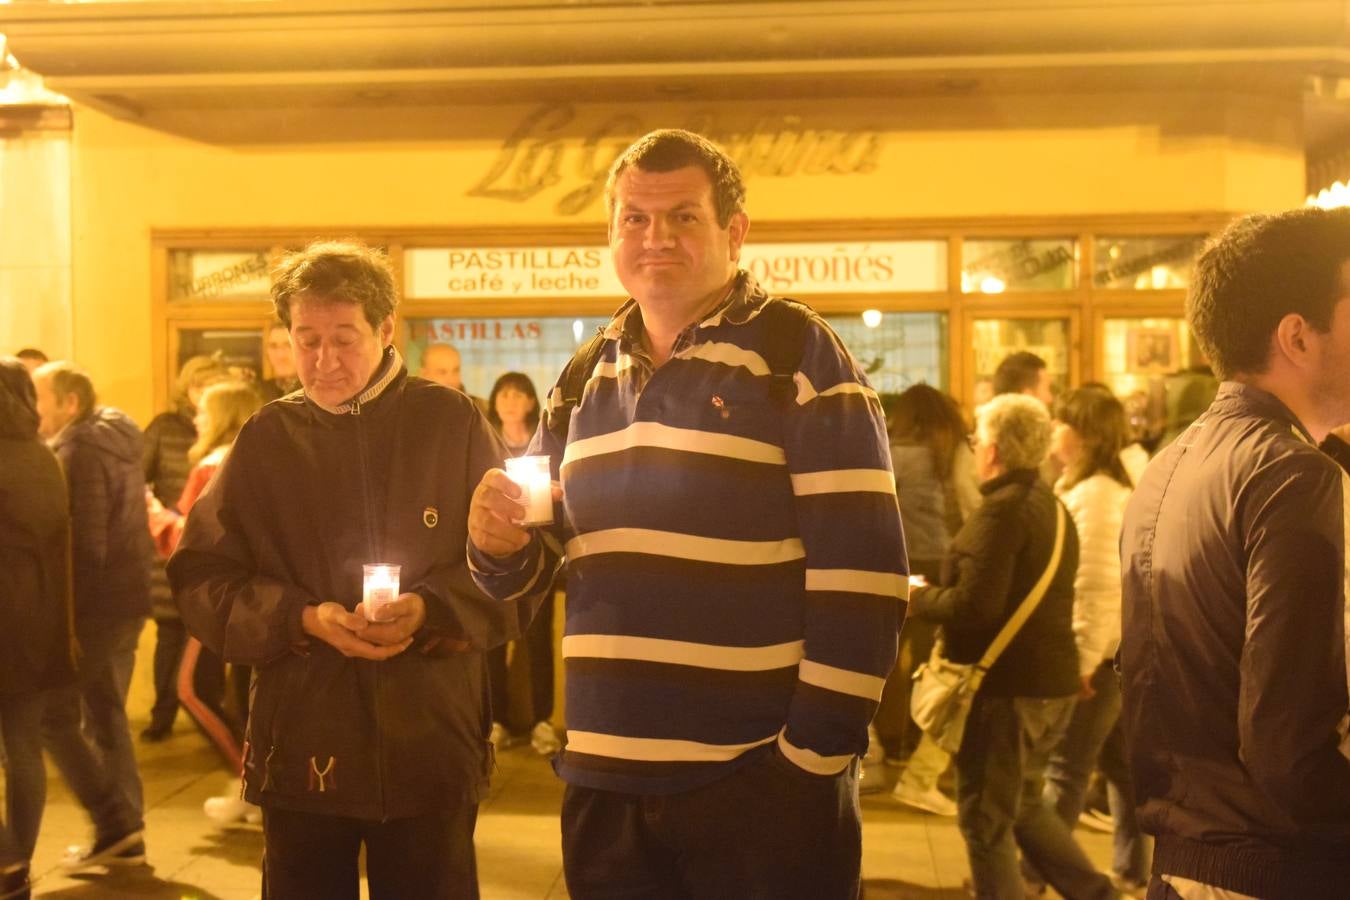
column 1072, row 764
column 25, row 778
column 999, row 784
column 85, row 729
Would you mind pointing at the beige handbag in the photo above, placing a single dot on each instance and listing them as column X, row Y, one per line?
column 944, row 690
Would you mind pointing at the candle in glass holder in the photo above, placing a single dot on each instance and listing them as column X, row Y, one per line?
column 536, row 486
column 379, row 588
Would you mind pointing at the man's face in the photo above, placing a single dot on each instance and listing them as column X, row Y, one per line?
column 54, row 412
column 668, row 248
column 279, row 355
column 336, row 350
column 1044, row 389
column 440, row 363
column 1330, row 387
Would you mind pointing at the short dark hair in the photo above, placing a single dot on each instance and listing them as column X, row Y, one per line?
column 668, row 149
column 1018, row 372
column 1261, row 269
column 336, row 271
column 68, row 378
column 32, row 353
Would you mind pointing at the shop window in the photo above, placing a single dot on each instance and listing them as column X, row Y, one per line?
column 1006, row 265
column 488, row 347
column 896, row 349
column 1145, row 263
column 1155, row 367
column 218, row 275
column 239, row 348
column 994, row 339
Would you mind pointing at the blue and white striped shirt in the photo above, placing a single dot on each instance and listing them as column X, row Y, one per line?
column 737, row 568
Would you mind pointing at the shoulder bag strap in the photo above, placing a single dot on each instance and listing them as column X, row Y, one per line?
column 1033, row 599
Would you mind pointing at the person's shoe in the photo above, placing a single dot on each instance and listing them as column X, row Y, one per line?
column 875, row 750
column 871, row 778
column 1129, row 887
column 544, row 739
column 1096, row 820
column 127, row 850
column 153, row 734
column 231, row 810
column 500, row 737
column 930, row 801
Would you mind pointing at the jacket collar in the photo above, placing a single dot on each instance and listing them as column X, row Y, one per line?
column 1261, row 403
column 384, row 376
column 1014, row 476
column 743, row 301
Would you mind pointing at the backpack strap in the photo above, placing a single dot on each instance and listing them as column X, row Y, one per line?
column 572, row 384
column 786, row 322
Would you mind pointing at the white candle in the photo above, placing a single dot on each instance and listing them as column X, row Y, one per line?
column 379, row 588
column 532, row 474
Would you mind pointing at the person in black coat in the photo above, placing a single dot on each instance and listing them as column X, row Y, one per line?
column 37, row 652
column 85, row 727
column 1024, row 705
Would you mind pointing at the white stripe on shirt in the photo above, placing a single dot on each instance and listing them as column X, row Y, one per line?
column 683, row 653
column 684, row 546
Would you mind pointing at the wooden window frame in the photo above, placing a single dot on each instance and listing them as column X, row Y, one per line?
column 1085, row 305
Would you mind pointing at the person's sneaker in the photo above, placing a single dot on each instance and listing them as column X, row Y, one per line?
column 127, row 850
column 231, row 810
column 1096, row 820
column 930, row 801
column 875, row 750
column 1129, row 887
column 153, row 734
column 544, row 739
column 501, row 738
column 871, row 778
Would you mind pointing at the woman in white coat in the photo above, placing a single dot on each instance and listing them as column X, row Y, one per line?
column 1090, row 429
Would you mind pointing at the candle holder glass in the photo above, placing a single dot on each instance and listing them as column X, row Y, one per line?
column 536, row 485
column 379, row 588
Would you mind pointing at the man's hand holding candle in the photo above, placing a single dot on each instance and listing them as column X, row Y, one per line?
column 351, row 635
column 496, row 513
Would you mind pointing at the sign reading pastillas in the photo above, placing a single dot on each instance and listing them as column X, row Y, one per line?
column 847, row 268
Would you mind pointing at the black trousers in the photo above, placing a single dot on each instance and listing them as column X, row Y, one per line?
column 428, row 857
column 537, row 642
column 170, row 639
column 768, row 830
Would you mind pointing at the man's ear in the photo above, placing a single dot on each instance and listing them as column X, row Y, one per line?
column 387, row 331
column 1292, row 339
column 737, row 229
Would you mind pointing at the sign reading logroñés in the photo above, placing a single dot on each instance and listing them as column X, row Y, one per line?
column 469, row 273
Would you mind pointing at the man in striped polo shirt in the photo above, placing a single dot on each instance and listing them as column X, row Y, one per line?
column 737, row 567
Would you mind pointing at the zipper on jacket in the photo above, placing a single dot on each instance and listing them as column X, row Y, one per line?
column 375, row 556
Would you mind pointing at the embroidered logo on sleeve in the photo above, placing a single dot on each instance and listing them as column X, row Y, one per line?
column 323, row 779
column 430, row 517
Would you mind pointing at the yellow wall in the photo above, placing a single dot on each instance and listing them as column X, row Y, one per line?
column 972, row 156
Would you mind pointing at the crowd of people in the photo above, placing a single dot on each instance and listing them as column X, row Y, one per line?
column 759, row 555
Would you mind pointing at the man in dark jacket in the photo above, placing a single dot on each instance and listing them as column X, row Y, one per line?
column 359, row 732
column 36, row 646
column 1233, row 651
column 100, row 450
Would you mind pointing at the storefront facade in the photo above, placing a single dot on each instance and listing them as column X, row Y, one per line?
column 939, row 217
